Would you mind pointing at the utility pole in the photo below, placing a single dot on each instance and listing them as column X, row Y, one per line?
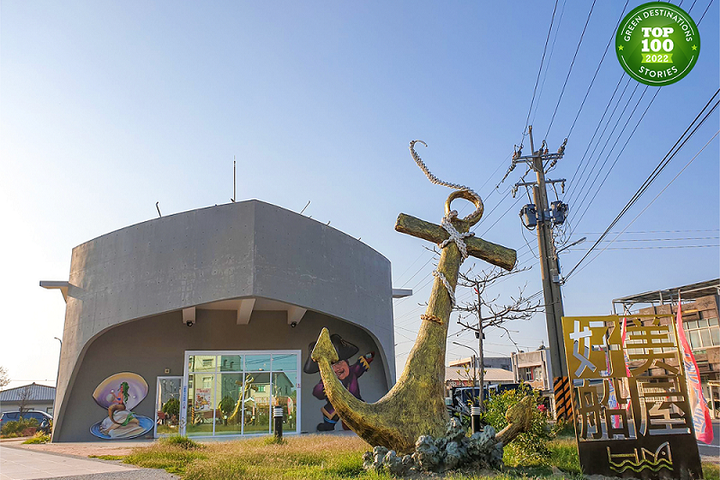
column 543, row 216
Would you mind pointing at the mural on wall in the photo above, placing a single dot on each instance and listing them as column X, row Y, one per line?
column 348, row 375
column 119, row 394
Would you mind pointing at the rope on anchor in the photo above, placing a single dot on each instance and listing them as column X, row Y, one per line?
column 437, row 181
column 446, row 223
column 448, row 287
column 455, row 236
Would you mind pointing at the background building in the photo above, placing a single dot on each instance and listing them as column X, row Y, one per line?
column 700, row 319
column 199, row 322
column 503, row 363
column 28, row 397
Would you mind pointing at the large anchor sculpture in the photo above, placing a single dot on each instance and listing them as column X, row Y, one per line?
column 415, row 405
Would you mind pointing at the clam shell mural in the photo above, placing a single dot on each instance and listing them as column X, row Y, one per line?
column 119, row 394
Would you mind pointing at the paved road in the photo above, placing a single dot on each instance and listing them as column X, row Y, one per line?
column 714, row 449
column 23, row 464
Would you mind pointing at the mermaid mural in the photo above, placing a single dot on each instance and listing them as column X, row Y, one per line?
column 119, row 394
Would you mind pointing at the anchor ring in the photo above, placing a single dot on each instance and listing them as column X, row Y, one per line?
column 470, row 196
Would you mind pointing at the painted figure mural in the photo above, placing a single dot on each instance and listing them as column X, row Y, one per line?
column 119, row 394
column 348, row 375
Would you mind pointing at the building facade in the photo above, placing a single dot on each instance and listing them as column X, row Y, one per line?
column 700, row 322
column 200, row 322
column 28, row 397
column 534, row 368
column 503, row 363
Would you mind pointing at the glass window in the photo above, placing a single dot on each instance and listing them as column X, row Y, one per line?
column 259, row 363
column 694, row 339
column 284, row 362
column 285, row 396
column 234, row 394
column 702, row 322
column 715, row 335
column 712, row 321
column 705, row 337
column 229, row 392
column 200, row 414
column 202, row 363
column 691, row 324
column 231, row 363
column 257, row 403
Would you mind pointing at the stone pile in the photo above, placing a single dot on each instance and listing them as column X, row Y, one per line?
column 454, row 450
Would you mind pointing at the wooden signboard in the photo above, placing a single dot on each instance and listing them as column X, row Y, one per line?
column 630, row 405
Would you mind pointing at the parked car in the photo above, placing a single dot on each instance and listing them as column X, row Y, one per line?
column 42, row 418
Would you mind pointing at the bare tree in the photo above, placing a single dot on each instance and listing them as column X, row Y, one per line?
column 25, row 395
column 484, row 312
column 4, row 376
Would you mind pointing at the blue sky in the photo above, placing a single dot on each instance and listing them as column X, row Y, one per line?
column 109, row 107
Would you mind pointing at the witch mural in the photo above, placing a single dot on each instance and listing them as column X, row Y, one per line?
column 348, row 375
column 119, row 394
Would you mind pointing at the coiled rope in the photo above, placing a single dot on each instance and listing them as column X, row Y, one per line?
column 446, row 223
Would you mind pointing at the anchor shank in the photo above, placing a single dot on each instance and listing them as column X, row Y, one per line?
column 490, row 252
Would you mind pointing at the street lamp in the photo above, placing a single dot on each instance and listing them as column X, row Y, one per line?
column 474, row 364
column 57, row 375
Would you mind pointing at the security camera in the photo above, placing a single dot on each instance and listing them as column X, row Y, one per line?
column 190, row 323
column 293, row 324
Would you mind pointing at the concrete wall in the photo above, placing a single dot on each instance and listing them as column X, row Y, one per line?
column 149, row 346
column 238, row 250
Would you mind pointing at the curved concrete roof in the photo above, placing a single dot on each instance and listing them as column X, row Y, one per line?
column 240, row 250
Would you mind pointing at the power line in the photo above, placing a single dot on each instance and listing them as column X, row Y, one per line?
column 654, row 174
column 592, row 82
column 542, row 60
column 592, row 199
column 572, row 188
column 572, row 63
column 592, row 139
column 653, row 200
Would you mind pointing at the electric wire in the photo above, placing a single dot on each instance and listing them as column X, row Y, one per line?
column 647, row 206
column 592, row 82
column 692, row 128
column 567, row 77
column 616, row 158
column 542, row 60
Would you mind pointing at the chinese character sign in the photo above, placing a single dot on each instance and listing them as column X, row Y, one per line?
column 630, row 401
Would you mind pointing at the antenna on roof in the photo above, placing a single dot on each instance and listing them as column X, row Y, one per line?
column 234, row 177
column 157, row 205
column 306, row 205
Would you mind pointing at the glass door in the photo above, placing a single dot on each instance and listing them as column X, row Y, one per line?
column 167, row 406
column 233, row 392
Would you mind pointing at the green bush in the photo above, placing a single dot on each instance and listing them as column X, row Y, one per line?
column 529, row 448
column 180, row 441
column 227, row 405
column 172, row 407
column 39, row 437
column 16, row 428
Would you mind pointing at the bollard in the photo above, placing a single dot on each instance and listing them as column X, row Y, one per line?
column 475, row 412
column 278, row 416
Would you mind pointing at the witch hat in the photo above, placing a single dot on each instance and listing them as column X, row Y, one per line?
column 345, row 350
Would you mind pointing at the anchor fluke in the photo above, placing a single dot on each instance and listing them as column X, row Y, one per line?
column 324, row 348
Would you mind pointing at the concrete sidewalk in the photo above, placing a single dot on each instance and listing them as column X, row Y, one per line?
column 20, row 464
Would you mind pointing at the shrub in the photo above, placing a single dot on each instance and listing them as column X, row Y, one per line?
column 17, row 428
column 39, row 437
column 529, row 448
column 172, row 407
column 180, row 441
column 226, row 406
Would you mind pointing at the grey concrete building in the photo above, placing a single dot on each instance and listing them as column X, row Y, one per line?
column 215, row 309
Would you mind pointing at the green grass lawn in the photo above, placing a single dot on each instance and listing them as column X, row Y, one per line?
column 319, row 457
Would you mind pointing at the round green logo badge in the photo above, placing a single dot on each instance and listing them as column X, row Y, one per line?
column 657, row 43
